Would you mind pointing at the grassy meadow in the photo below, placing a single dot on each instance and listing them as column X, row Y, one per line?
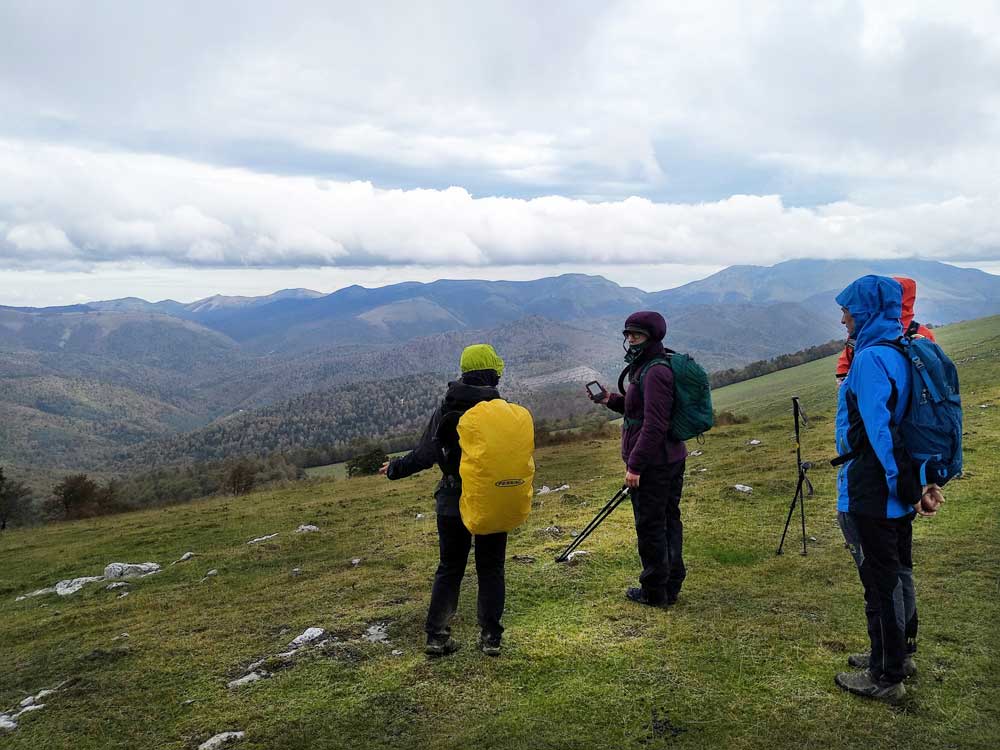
column 745, row 660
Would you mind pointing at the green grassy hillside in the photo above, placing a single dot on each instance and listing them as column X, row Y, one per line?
column 745, row 660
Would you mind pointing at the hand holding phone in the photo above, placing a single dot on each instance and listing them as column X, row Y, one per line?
column 596, row 392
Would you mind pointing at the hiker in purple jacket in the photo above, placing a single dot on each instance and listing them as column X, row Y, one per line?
column 654, row 462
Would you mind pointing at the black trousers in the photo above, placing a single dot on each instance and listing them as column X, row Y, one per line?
column 454, row 542
column 884, row 556
column 659, row 531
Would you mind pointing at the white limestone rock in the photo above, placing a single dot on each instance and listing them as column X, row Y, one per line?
column 310, row 635
column 377, row 633
column 248, row 679
column 224, row 738
column 130, row 570
column 183, row 558
column 744, row 488
column 260, row 539
column 40, row 592
column 71, row 586
column 307, row 528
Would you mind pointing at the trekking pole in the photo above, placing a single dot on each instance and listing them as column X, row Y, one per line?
column 596, row 521
column 803, row 483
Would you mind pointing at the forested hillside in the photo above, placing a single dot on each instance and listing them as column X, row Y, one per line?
column 85, row 388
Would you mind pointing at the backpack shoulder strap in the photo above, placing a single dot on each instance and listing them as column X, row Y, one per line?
column 896, row 344
column 651, row 363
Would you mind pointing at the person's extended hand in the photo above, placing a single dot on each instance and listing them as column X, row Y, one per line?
column 631, row 480
column 383, row 468
column 930, row 501
column 602, row 399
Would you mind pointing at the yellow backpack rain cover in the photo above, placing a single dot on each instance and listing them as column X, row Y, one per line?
column 498, row 466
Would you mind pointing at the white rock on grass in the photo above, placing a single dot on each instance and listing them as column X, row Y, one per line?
column 695, row 453
column 356, row 561
column 248, row 679
column 310, row 635
column 260, row 539
column 210, row 574
column 306, row 528
column 577, row 555
column 117, row 585
column 183, row 558
column 221, row 739
column 40, row 592
column 8, row 721
column 65, row 588
column 130, row 570
column 753, row 442
column 545, row 490
column 745, row 489
column 377, row 633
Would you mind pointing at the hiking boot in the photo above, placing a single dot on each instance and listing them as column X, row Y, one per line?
column 639, row 596
column 438, row 645
column 489, row 644
column 861, row 683
column 861, row 662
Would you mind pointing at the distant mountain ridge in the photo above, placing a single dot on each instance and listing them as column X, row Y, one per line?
column 81, row 384
column 945, row 293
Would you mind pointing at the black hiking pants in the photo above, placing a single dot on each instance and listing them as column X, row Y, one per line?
column 455, row 541
column 658, row 528
column 883, row 551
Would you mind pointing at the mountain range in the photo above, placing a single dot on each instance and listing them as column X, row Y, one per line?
column 83, row 387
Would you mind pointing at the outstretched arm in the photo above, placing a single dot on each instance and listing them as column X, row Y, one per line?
column 424, row 456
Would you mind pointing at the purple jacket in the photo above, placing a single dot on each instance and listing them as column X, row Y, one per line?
column 647, row 444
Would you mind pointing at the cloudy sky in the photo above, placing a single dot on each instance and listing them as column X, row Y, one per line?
column 187, row 148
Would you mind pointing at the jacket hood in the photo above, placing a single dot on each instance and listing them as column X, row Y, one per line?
column 909, row 298
column 875, row 303
column 462, row 395
column 649, row 321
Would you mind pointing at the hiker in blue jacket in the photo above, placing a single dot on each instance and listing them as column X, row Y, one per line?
column 879, row 489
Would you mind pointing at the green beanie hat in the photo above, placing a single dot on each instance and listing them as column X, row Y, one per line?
column 481, row 357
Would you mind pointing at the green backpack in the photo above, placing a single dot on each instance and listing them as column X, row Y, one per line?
column 692, row 414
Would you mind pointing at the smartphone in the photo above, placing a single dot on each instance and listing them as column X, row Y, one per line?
column 595, row 389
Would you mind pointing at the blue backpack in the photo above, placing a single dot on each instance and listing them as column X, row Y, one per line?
column 932, row 426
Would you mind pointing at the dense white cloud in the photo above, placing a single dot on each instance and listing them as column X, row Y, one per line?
column 74, row 208
column 576, row 98
column 460, row 135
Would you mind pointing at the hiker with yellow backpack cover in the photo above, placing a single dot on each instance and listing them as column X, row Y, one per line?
column 484, row 447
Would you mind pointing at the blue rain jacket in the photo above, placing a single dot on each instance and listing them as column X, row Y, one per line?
column 880, row 479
